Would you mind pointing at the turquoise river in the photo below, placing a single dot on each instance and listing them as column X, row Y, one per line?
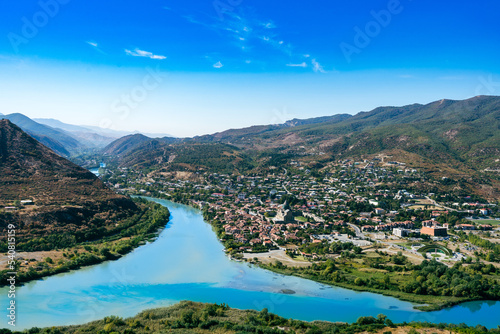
column 187, row 262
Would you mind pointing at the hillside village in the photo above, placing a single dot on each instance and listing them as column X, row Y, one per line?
column 360, row 202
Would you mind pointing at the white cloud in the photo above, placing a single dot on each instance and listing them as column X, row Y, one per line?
column 304, row 65
column 247, row 29
column 269, row 25
column 142, row 53
column 95, row 46
column 218, row 65
column 317, row 67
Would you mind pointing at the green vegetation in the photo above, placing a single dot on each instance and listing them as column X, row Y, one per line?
column 431, row 282
column 492, row 253
column 217, row 157
column 111, row 245
column 220, row 158
column 486, row 221
column 190, row 317
column 435, row 248
column 141, row 223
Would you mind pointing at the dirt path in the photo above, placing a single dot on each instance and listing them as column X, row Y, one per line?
column 276, row 255
column 33, row 256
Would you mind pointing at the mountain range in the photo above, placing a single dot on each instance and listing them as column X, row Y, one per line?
column 447, row 138
column 57, row 140
column 66, row 139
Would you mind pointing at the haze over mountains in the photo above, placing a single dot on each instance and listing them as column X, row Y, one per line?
column 65, row 139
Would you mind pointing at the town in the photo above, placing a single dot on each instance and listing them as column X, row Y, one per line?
column 285, row 214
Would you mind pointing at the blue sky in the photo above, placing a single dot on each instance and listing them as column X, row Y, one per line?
column 195, row 67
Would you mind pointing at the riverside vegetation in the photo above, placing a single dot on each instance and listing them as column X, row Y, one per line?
column 431, row 283
column 190, row 317
column 79, row 250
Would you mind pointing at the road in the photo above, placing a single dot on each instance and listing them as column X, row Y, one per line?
column 358, row 232
column 439, row 205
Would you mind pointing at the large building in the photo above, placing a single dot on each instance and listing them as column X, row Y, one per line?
column 284, row 215
column 431, row 228
column 401, row 232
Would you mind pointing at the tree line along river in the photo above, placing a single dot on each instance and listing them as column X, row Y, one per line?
column 187, row 262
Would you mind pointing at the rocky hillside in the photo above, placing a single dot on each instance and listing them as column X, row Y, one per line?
column 66, row 200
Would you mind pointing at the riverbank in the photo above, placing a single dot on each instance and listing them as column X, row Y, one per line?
column 425, row 302
column 356, row 271
column 188, row 316
column 36, row 265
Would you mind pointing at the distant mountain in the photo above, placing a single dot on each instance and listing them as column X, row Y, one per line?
column 84, row 135
column 325, row 119
column 239, row 135
column 466, row 131
column 67, row 199
column 57, row 140
column 125, row 144
column 54, row 123
column 459, row 131
column 119, row 134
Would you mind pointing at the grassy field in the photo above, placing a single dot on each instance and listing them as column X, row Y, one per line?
column 422, row 207
column 394, row 275
column 407, row 244
column 486, row 221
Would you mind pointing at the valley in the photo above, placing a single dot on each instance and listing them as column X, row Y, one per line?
column 347, row 201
